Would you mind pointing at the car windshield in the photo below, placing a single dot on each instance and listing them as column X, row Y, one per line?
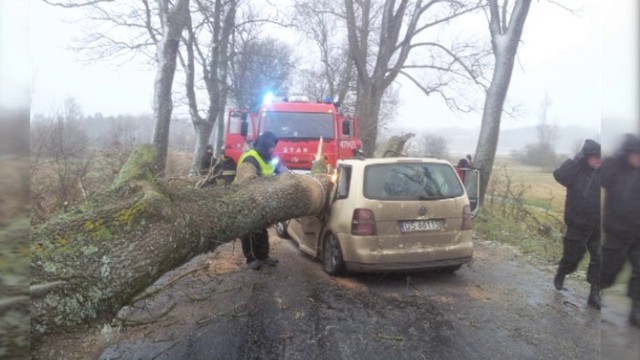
column 297, row 125
column 411, row 181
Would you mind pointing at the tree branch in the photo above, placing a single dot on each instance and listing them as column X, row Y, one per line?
column 457, row 59
column 504, row 16
column 71, row 4
column 494, row 22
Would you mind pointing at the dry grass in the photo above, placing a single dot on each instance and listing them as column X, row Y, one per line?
column 542, row 189
column 178, row 163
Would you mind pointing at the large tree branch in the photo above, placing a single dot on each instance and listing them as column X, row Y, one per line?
column 494, row 20
column 505, row 6
column 89, row 263
column 147, row 21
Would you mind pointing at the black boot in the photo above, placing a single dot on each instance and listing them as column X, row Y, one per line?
column 594, row 297
column 634, row 318
column 558, row 280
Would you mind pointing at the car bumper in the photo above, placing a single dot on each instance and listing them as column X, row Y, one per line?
column 366, row 254
column 399, row 266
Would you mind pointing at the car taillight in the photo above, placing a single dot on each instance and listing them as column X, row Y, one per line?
column 363, row 222
column 466, row 218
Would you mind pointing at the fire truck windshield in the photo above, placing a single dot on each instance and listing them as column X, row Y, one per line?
column 298, row 125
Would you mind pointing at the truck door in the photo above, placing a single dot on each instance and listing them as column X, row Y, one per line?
column 346, row 137
column 235, row 140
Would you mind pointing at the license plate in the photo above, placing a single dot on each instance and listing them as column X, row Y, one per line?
column 420, row 225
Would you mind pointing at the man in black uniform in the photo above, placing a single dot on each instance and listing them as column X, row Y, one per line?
column 255, row 163
column 580, row 176
column 621, row 181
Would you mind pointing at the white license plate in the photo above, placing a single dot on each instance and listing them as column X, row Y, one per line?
column 420, row 225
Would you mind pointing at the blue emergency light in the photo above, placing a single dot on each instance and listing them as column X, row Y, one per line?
column 268, row 98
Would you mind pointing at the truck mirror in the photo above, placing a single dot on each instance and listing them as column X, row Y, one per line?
column 346, row 127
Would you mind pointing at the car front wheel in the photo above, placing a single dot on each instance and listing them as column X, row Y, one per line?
column 332, row 260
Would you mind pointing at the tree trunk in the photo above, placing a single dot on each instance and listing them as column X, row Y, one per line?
column 491, row 115
column 367, row 111
column 504, row 40
column 93, row 260
column 219, row 139
column 203, row 134
column 166, row 54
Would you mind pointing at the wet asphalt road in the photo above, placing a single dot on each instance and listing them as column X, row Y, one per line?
column 497, row 307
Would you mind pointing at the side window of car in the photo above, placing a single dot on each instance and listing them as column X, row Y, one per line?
column 344, row 181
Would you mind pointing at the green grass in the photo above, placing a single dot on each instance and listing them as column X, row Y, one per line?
column 497, row 228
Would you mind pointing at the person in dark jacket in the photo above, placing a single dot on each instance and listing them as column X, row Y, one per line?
column 621, row 223
column 581, row 177
column 255, row 163
column 207, row 160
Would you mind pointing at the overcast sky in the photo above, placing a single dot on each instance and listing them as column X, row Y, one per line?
column 571, row 57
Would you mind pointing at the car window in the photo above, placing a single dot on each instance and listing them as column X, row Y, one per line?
column 411, row 181
column 344, row 181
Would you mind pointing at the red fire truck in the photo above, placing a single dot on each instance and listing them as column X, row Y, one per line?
column 299, row 124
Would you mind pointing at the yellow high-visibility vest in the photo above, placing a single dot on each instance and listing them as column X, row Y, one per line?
column 266, row 169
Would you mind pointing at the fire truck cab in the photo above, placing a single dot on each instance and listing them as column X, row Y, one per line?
column 299, row 124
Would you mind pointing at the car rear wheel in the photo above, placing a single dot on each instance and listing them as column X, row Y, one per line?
column 281, row 229
column 332, row 261
column 450, row 269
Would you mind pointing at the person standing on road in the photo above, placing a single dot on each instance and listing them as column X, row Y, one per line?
column 581, row 177
column 621, row 181
column 256, row 163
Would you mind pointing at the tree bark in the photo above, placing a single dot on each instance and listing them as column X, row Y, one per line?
column 90, row 262
column 367, row 110
column 504, row 40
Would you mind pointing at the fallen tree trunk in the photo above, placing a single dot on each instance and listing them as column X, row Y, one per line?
column 90, row 262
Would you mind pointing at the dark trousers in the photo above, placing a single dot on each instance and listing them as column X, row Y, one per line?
column 255, row 245
column 576, row 243
column 615, row 251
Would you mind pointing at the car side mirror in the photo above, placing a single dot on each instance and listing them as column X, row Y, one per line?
column 244, row 125
column 472, row 185
column 346, row 127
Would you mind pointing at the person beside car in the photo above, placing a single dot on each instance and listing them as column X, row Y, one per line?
column 581, row 177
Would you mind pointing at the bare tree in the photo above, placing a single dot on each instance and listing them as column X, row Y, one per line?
column 506, row 32
column 258, row 66
column 335, row 77
column 380, row 41
column 150, row 25
column 207, row 44
column 434, row 145
column 173, row 19
column 59, row 160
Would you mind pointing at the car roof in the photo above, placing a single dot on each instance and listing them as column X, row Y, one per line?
column 392, row 160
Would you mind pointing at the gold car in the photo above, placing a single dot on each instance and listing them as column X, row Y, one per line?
column 391, row 214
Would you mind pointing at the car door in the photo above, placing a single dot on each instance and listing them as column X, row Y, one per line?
column 472, row 185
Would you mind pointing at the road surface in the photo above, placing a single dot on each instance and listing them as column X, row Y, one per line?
column 502, row 305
